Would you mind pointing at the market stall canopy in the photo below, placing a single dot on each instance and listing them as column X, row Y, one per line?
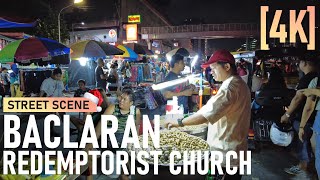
column 181, row 51
column 243, row 54
column 26, row 50
column 93, row 49
column 139, row 49
column 6, row 23
column 128, row 53
column 15, row 35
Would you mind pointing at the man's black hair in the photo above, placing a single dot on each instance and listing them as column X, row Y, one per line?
column 57, row 71
column 100, row 59
column 312, row 58
column 130, row 93
column 82, row 81
column 175, row 59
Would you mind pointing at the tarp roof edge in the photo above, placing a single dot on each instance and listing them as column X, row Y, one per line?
column 6, row 38
column 5, row 23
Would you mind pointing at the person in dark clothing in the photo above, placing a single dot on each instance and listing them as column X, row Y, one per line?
column 5, row 80
column 100, row 76
column 82, row 88
column 113, row 78
column 294, row 112
column 177, row 66
column 275, row 80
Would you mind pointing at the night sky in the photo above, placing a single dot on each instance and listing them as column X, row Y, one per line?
column 176, row 11
column 205, row 11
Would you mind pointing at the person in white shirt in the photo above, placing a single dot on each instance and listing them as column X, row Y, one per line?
column 227, row 113
column 52, row 86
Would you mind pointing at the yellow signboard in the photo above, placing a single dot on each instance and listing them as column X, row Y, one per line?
column 134, row 19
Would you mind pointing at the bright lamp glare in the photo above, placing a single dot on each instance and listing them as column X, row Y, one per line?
column 83, row 61
column 173, row 82
column 156, row 56
column 195, row 59
column 169, row 58
column 77, row 1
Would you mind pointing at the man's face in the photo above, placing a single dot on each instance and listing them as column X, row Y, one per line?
column 57, row 77
column 219, row 72
column 180, row 65
column 125, row 102
column 5, row 71
column 101, row 63
column 302, row 64
column 81, row 85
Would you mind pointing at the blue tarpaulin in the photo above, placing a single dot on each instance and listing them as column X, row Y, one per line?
column 4, row 23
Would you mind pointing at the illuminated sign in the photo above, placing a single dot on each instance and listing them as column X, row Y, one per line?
column 112, row 33
column 132, row 32
column 134, row 18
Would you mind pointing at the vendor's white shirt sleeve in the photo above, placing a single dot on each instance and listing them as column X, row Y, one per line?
column 228, row 114
column 45, row 86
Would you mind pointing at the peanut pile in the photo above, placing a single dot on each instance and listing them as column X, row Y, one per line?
column 173, row 140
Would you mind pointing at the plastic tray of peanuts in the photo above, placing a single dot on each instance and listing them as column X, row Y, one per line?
column 173, row 140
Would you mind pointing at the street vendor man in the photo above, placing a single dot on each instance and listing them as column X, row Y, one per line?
column 53, row 86
column 182, row 92
column 227, row 113
column 101, row 78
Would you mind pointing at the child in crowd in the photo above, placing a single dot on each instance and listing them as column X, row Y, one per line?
column 82, row 88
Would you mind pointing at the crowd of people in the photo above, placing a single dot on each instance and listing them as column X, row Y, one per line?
column 228, row 113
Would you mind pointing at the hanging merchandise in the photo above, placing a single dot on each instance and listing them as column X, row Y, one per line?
column 147, row 73
column 140, row 100
column 140, row 74
column 21, row 78
column 151, row 102
column 33, row 79
column 137, row 73
column 159, row 98
column 134, row 73
column 160, row 77
column 128, row 73
column 15, row 91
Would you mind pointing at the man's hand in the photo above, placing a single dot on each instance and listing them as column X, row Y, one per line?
column 301, row 134
column 192, row 86
column 284, row 119
column 171, row 123
column 188, row 92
